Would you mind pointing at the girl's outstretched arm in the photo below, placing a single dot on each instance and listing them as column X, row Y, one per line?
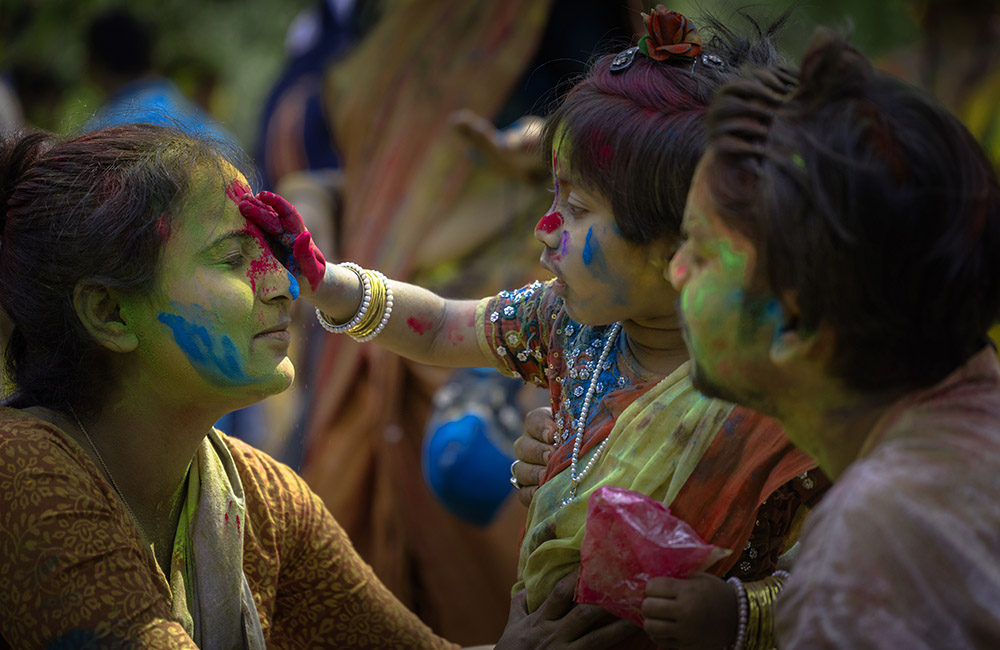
column 422, row 326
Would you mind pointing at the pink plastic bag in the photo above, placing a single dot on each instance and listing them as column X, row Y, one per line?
column 630, row 538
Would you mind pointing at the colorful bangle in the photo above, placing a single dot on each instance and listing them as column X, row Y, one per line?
column 741, row 608
column 363, row 308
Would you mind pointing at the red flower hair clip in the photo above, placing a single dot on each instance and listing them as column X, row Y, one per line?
column 670, row 35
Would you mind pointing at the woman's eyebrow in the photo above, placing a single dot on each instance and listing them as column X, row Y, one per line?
column 232, row 234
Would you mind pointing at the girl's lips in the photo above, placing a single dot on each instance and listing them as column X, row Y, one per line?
column 558, row 284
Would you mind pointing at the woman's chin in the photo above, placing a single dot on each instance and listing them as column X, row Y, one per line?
column 275, row 382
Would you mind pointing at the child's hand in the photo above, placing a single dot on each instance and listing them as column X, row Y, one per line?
column 698, row 612
column 278, row 218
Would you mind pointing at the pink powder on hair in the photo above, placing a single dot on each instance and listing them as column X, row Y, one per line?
column 419, row 326
column 550, row 222
column 606, row 155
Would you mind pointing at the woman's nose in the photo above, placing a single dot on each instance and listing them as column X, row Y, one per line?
column 273, row 281
column 548, row 229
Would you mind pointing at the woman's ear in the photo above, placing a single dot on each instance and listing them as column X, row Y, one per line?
column 99, row 309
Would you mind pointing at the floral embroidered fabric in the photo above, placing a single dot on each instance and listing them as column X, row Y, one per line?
column 73, row 570
column 532, row 337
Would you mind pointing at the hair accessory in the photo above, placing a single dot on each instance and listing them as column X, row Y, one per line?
column 712, row 59
column 624, row 59
column 669, row 35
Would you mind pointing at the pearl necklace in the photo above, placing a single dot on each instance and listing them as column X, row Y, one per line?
column 581, row 422
column 107, row 471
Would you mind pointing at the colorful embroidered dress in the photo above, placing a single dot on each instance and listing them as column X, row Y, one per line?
column 74, row 572
column 714, row 463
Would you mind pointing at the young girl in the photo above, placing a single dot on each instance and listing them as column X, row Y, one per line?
column 604, row 336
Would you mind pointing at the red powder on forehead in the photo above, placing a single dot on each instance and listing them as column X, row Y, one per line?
column 265, row 262
column 550, row 222
column 236, row 190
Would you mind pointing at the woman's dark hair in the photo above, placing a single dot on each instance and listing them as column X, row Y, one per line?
column 868, row 202
column 636, row 135
column 92, row 208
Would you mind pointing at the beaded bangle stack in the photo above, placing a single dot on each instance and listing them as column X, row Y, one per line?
column 375, row 309
column 755, row 630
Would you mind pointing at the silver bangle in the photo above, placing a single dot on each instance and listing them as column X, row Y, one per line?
column 366, row 300
column 741, row 607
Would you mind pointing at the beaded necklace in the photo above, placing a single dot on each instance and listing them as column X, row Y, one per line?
column 581, row 422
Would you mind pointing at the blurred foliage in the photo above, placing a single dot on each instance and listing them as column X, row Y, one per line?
column 876, row 27
column 238, row 45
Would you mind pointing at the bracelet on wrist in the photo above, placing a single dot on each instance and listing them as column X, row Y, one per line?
column 373, row 312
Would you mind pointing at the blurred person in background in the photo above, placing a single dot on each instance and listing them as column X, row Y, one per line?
column 120, row 49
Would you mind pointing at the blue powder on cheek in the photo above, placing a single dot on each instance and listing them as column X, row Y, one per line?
column 588, row 252
column 214, row 357
column 293, row 285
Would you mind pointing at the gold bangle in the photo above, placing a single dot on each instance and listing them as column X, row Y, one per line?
column 372, row 317
column 753, row 617
column 760, row 625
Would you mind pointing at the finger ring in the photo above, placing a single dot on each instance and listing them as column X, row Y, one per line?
column 513, row 477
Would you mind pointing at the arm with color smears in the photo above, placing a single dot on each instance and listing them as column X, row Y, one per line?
column 423, row 326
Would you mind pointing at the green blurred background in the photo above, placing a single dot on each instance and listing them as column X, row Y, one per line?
column 229, row 52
